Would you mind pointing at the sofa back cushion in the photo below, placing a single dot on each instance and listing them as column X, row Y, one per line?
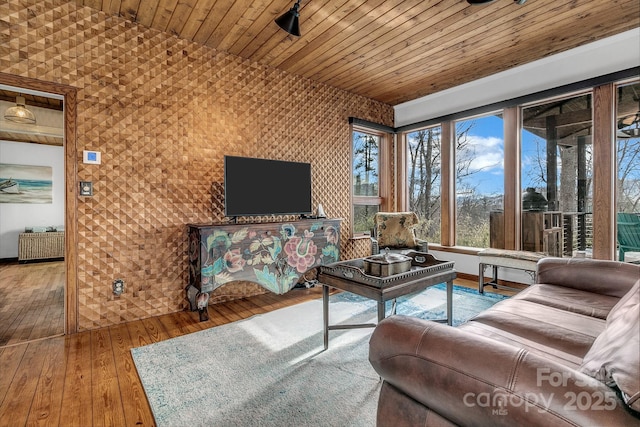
column 395, row 229
column 614, row 357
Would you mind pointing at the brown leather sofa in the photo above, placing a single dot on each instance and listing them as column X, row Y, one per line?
column 563, row 352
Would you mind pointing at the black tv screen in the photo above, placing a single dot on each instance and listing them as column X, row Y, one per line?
column 257, row 187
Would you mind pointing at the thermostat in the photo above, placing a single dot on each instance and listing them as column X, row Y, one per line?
column 91, row 157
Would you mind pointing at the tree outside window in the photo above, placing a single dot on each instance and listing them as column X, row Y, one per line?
column 628, row 162
column 628, row 148
column 479, row 177
column 424, row 181
column 366, row 174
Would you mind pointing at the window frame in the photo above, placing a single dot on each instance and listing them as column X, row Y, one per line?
column 385, row 167
column 603, row 93
column 402, row 173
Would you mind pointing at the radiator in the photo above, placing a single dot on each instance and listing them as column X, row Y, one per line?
column 40, row 245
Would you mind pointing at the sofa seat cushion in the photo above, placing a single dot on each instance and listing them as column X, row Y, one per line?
column 548, row 327
column 497, row 334
column 569, row 299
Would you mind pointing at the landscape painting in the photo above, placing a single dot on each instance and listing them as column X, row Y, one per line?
column 25, row 184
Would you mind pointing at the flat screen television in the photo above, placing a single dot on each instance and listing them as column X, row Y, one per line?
column 260, row 187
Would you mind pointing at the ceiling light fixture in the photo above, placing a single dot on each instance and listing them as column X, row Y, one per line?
column 289, row 20
column 633, row 130
column 629, row 129
column 476, row 2
column 19, row 113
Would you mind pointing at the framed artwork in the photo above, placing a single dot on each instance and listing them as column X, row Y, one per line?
column 25, row 184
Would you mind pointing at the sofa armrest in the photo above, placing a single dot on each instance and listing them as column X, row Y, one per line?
column 611, row 278
column 466, row 378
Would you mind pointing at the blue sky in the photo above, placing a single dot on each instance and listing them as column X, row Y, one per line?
column 486, row 136
column 488, row 165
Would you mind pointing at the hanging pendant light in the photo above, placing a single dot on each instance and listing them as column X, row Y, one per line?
column 289, row 21
column 631, row 130
column 20, row 113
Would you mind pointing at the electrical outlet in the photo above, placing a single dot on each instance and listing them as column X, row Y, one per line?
column 118, row 286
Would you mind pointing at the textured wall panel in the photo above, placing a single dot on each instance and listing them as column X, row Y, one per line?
column 164, row 112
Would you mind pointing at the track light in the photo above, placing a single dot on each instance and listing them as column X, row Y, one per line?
column 289, row 21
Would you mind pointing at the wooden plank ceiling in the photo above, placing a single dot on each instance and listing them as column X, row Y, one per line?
column 389, row 50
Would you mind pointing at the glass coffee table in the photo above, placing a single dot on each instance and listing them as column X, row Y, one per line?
column 349, row 276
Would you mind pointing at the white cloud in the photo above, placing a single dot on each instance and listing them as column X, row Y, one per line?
column 489, row 154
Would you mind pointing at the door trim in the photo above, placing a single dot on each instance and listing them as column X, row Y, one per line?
column 70, row 94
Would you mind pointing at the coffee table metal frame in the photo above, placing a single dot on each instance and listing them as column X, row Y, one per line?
column 349, row 276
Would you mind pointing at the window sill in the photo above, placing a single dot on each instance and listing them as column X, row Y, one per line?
column 360, row 237
column 465, row 250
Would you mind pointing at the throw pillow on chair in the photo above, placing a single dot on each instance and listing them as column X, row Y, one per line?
column 395, row 229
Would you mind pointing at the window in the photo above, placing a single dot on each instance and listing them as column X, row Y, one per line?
column 628, row 147
column 424, row 170
column 479, row 192
column 368, row 184
column 556, row 175
column 534, row 148
column 628, row 171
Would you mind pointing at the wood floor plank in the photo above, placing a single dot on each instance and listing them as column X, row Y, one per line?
column 10, row 359
column 105, row 391
column 15, row 408
column 89, row 379
column 250, row 307
column 138, row 334
column 47, row 402
column 14, row 333
column 31, row 301
column 76, row 393
column 226, row 312
column 180, row 323
column 134, row 401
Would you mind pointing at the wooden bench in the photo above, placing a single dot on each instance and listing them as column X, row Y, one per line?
column 519, row 260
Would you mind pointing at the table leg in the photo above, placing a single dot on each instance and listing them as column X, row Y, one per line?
column 450, row 302
column 325, row 314
column 381, row 310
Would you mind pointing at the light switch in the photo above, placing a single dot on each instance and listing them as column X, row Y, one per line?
column 86, row 188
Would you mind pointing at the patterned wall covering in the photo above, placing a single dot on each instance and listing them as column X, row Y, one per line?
column 164, row 112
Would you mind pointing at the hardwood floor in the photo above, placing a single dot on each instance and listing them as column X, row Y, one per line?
column 89, row 379
column 31, row 301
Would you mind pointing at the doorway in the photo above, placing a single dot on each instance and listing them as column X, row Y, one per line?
column 57, row 276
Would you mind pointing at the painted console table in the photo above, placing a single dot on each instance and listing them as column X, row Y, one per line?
column 273, row 255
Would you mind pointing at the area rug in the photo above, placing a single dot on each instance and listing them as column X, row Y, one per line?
column 271, row 370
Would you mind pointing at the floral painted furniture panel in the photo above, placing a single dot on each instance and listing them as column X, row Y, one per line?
column 273, row 255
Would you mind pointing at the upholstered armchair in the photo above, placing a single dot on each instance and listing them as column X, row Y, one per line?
column 394, row 230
